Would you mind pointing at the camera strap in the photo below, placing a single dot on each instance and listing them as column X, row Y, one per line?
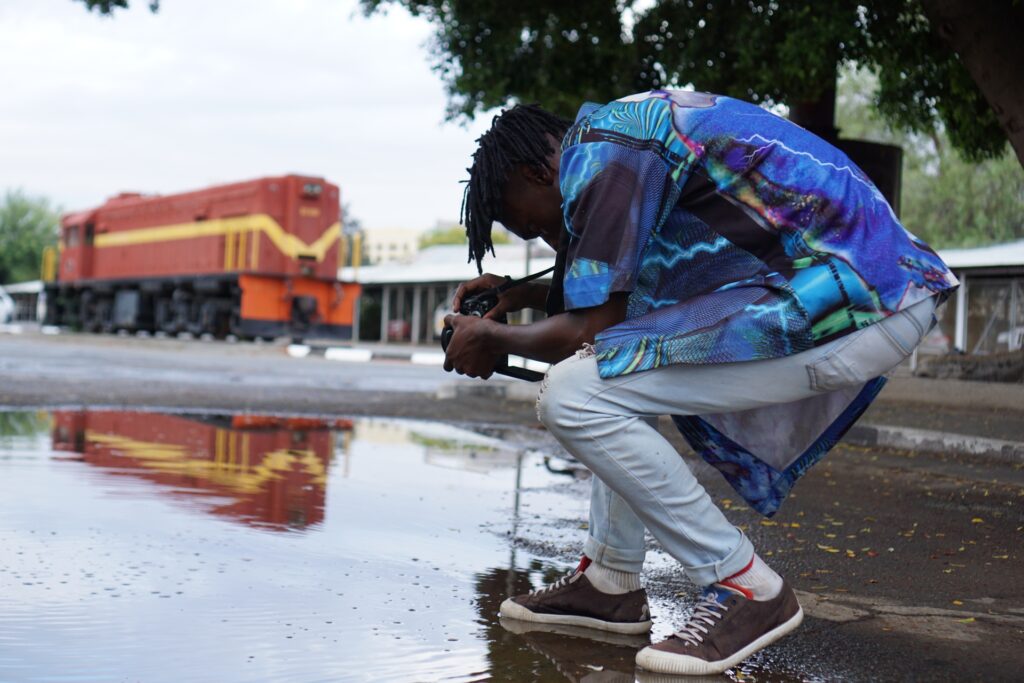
column 509, row 283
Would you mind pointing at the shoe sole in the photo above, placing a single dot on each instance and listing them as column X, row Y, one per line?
column 662, row 662
column 514, row 610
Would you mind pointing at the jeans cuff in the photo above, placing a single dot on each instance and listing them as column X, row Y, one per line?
column 615, row 558
column 734, row 562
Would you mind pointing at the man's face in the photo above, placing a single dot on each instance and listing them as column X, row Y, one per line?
column 532, row 204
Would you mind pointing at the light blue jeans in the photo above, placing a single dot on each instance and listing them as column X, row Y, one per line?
column 610, row 425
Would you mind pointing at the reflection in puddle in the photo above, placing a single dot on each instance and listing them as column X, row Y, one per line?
column 156, row 547
column 263, row 470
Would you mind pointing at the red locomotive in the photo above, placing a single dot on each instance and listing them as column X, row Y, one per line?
column 252, row 259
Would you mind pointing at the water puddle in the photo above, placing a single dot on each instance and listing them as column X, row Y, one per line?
column 166, row 547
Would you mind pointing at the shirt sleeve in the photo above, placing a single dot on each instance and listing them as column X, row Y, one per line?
column 615, row 196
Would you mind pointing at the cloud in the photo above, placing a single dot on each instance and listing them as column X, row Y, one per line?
column 207, row 92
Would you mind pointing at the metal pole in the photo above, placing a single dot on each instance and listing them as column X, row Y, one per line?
column 356, row 317
column 960, row 333
column 417, row 314
column 431, row 305
column 385, row 313
column 526, row 316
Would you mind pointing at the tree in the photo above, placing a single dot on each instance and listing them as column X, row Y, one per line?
column 490, row 51
column 27, row 226
column 947, row 201
column 456, row 234
column 108, row 6
column 350, row 223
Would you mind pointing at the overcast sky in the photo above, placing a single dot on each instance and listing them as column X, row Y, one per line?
column 206, row 92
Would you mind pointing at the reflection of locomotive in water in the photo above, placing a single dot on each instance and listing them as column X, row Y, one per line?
column 272, row 471
column 252, row 259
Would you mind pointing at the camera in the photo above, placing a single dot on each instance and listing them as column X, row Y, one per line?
column 479, row 305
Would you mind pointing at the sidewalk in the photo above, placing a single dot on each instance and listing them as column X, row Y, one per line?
column 912, row 413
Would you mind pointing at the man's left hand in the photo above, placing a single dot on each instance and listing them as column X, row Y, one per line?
column 469, row 350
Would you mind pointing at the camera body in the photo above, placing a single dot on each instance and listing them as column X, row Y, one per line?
column 479, row 305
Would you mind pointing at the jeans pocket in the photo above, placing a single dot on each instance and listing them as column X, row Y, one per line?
column 865, row 354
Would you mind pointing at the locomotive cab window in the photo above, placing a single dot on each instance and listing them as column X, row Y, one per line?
column 90, row 232
column 71, row 237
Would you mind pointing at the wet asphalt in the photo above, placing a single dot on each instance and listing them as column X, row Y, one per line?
column 908, row 564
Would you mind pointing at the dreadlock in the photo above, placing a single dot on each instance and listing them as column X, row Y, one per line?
column 517, row 136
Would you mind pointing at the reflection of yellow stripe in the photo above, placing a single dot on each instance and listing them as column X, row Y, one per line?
column 290, row 245
column 174, row 459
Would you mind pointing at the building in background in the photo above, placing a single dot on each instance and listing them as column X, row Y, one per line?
column 390, row 245
column 407, row 302
column 21, row 302
column 986, row 314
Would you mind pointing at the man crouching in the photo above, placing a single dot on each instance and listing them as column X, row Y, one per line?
column 717, row 264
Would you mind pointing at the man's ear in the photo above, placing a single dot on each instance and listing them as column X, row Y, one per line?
column 537, row 175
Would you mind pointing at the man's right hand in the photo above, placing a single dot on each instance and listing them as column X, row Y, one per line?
column 510, row 301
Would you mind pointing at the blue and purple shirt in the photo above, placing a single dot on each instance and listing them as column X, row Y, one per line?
column 739, row 236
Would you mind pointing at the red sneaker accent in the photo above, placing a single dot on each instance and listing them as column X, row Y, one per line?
column 746, row 591
column 585, row 562
column 749, row 565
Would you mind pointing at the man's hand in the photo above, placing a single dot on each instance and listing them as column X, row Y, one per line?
column 469, row 352
column 515, row 299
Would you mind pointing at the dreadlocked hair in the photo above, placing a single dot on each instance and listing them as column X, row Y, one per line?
column 517, row 136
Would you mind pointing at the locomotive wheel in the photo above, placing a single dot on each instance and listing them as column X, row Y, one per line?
column 87, row 312
column 235, row 322
column 214, row 317
column 181, row 310
column 163, row 315
column 105, row 314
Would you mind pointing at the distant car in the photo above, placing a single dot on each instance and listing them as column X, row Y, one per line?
column 7, row 307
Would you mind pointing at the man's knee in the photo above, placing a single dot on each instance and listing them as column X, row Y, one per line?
column 565, row 390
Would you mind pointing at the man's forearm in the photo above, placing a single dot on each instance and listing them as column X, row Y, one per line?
column 558, row 337
column 550, row 340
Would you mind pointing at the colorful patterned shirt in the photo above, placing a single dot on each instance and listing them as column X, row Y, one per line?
column 739, row 236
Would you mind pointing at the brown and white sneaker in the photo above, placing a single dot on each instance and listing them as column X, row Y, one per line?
column 573, row 601
column 725, row 628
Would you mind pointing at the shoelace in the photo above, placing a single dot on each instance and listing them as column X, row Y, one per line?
column 567, row 579
column 706, row 614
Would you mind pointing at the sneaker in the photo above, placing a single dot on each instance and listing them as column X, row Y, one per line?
column 573, row 601
column 724, row 629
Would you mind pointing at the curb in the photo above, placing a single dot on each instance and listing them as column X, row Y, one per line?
column 496, row 390
column 907, row 438
column 358, row 354
column 361, row 354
